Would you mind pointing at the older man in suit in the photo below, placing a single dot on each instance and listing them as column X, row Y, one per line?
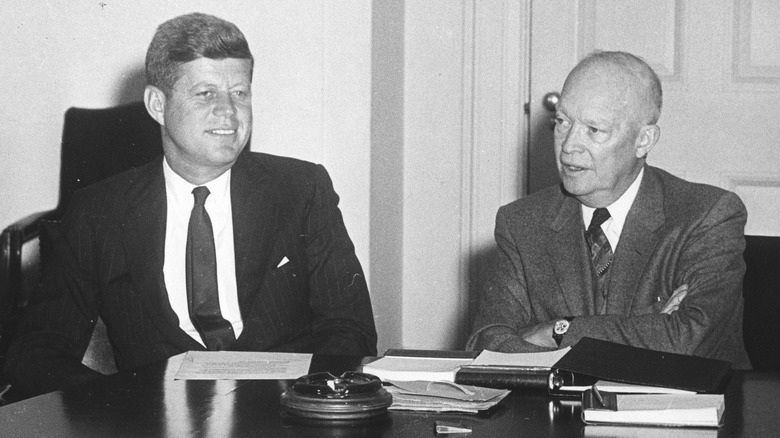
column 620, row 251
column 209, row 247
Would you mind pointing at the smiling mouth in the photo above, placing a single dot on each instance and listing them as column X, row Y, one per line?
column 222, row 131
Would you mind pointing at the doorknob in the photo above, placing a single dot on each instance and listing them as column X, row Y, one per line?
column 550, row 100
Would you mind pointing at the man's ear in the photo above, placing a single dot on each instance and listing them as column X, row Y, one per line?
column 154, row 99
column 646, row 139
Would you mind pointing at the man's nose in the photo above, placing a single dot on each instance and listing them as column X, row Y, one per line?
column 572, row 141
column 224, row 105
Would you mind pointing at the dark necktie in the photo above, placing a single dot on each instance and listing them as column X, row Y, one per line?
column 201, row 271
column 600, row 255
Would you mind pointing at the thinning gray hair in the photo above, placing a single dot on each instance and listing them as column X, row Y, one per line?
column 634, row 66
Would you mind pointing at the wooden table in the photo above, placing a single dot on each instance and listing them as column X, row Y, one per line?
column 149, row 403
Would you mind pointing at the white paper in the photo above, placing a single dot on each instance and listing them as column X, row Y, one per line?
column 627, row 388
column 406, row 368
column 542, row 360
column 243, row 365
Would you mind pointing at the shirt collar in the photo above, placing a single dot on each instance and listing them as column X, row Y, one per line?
column 181, row 190
column 618, row 210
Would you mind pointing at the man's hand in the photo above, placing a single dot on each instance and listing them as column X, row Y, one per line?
column 675, row 300
column 541, row 335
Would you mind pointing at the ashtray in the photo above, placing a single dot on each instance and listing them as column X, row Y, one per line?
column 323, row 396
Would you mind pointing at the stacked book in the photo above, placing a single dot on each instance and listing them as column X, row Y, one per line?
column 623, row 385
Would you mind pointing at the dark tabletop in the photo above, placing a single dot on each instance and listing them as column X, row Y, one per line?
column 150, row 403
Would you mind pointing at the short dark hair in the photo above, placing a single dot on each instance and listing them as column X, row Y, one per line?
column 637, row 67
column 189, row 37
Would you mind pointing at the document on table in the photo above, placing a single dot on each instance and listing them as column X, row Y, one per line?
column 243, row 365
column 543, row 360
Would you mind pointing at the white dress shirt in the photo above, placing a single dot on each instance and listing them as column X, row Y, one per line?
column 180, row 201
column 618, row 211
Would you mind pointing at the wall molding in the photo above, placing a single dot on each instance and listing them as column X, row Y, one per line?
column 746, row 69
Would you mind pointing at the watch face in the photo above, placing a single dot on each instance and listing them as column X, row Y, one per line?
column 561, row 327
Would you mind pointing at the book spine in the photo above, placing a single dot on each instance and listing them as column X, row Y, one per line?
column 503, row 379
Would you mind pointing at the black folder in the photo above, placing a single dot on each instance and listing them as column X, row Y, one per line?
column 593, row 359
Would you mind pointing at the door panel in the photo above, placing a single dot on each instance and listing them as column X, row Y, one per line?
column 719, row 63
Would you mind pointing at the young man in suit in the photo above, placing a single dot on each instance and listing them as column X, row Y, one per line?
column 660, row 266
column 209, row 247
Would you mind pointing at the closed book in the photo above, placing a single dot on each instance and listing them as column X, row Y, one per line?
column 592, row 360
column 678, row 410
column 510, row 370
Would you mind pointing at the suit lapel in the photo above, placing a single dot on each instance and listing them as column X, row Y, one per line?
column 255, row 204
column 144, row 240
column 637, row 242
column 570, row 257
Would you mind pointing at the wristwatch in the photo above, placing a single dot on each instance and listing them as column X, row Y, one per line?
column 560, row 328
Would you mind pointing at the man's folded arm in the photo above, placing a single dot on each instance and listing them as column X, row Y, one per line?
column 712, row 266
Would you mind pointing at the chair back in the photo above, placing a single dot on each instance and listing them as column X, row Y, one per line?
column 99, row 143
column 761, row 291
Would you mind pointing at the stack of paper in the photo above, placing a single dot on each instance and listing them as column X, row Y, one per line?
column 406, row 368
column 443, row 397
column 510, row 370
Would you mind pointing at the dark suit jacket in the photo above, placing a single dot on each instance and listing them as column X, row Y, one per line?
column 675, row 233
column 109, row 261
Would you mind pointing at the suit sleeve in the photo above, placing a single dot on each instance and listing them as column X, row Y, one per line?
column 47, row 350
column 343, row 318
column 709, row 321
column 504, row 310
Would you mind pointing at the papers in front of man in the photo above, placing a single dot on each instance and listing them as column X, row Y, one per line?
column 407, row 368
column 441, row 396
column 488, row 367
column 495, row 359
column 510, row 370
column 243, row 365
column 694, row 410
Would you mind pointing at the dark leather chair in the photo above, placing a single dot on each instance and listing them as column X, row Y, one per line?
column 761, row 328
column 96, row 144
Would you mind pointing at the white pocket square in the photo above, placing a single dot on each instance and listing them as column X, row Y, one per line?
column 284, row 261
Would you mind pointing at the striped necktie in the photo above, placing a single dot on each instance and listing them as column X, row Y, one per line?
column 600, row 255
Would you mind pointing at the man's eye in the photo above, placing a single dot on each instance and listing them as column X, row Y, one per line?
column 593, row 129
column 206, row 93
column 560, row 121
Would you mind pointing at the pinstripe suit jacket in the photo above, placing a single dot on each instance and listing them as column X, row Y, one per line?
column 675, row 233
column 109, row 258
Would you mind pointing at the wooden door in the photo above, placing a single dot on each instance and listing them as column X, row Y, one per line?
column 719, row 62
